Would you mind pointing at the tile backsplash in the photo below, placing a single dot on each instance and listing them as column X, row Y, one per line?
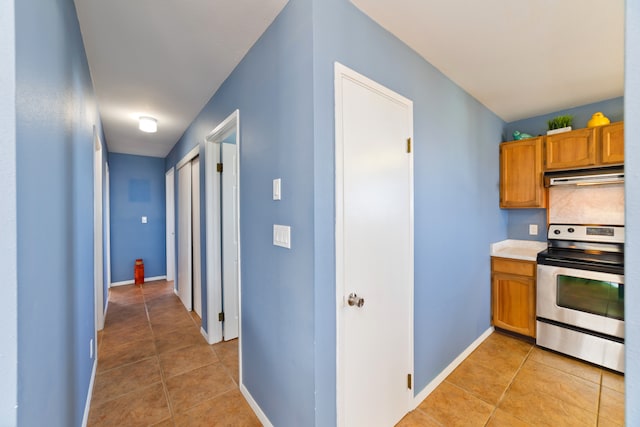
column 592, row 204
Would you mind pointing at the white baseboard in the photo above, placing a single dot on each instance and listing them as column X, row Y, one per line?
column 87, row 405
column 205, row 335
column 417, row 400
column 131, row 282
column 104, row 315
column 254, row 405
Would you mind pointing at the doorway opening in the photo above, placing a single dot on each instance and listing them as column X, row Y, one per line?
column 222, row 189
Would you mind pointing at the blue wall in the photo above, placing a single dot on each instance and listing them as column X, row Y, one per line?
column 272, row 88
column 456, row 194
column 284, row 90
column 632, row 214
column 56, row 111
column 519, row 219
column 612, row 108
column 137, row 190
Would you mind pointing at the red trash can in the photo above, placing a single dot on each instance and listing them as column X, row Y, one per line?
column 138, row 272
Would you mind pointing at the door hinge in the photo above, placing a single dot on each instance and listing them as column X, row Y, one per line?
column 409, row 381
column 221, row 317
column 408, row 145
column 219, row 167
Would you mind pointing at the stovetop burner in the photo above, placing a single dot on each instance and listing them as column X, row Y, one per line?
column 587, row 247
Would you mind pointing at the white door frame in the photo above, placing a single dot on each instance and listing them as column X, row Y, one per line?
column 107, row 211
column 196, row 244
column 342, row 72
column 214, row 234
column 170, row 228
column 98, row 262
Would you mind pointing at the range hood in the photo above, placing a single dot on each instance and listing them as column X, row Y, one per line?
column 593, row 176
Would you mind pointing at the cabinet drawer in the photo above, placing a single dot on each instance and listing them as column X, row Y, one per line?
column 513, row 266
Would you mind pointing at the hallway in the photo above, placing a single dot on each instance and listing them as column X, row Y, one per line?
column 156, row 369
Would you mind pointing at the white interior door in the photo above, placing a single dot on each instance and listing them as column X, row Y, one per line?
column 170, row 224
column 195, row 215
column 184, row 236
column 374, row 251
column 226, row 133
column 230, row 240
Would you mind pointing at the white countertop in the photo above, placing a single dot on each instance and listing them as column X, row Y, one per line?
column 518, row 249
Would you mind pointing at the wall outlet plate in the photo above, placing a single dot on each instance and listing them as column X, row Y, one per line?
column 533, row 229
column 282, row 236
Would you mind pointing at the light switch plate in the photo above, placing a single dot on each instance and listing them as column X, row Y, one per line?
column 144, row 219
column 277, row 189
column 282, row 236
column 533, row 229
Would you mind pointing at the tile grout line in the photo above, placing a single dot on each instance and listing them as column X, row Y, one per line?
column 430, row 417
column 148, row 300
column 163, row 379
column 599, row 399
column 504, row 393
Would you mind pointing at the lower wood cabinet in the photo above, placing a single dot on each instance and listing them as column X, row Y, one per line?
column 513, row 295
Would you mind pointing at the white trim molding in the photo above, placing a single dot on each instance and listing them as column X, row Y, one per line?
column 131, row 282
column 195, row 151
column 256, row 408
column 450, row 368
column 87, row 404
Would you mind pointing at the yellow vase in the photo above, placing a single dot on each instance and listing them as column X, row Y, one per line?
column 598, row 119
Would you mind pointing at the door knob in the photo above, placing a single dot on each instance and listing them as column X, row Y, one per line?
column 354, row 299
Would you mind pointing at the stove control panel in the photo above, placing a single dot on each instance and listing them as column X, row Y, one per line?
column 587, row 233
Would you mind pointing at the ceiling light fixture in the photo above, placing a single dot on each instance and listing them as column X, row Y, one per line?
column 148, row 124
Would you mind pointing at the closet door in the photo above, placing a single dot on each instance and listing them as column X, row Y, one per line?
column 184, row 236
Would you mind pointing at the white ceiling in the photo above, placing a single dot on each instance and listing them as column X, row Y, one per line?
column 164, row 59
column 520, row 58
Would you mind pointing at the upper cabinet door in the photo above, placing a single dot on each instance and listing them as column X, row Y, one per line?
column 612, row 144
column 573, row 149
column 521, row 183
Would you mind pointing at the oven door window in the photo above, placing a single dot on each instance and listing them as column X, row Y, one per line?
column 591, row 296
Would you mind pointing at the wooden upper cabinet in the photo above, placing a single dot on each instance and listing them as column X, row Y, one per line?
column 612, row 144
column 574, row 149
column 521, row 183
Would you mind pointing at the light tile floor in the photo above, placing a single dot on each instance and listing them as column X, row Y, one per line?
column 512, row 383
column 156, row 369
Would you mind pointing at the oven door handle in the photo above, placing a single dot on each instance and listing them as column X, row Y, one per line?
column 579, row 265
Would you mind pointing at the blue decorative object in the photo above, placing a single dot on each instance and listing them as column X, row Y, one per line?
column 517, row 135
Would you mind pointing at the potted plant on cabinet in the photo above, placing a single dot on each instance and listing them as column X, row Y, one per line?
column 560, row 124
